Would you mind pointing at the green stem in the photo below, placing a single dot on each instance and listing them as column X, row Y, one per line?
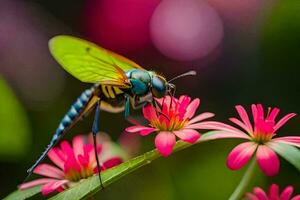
column 241, row 188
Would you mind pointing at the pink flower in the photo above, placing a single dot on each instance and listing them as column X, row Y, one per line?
column 174, row 118
column 260, row 135
column 273, row 194
column 72, row 165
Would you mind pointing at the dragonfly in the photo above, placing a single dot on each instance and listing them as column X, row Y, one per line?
column 118, row 85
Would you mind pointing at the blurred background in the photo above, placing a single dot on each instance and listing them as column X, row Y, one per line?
column 244, row 52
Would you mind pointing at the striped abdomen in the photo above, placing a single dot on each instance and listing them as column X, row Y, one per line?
column 73, row 113
column 69, row 119
column 112, row 98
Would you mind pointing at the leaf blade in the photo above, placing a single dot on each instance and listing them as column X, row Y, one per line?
column 23, row 194
column 88, row 187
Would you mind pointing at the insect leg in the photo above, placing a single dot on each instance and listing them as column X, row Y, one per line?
column 127, row 106
column 139, row 102
column 136, row 103
column 172, row 94
column 95, row 130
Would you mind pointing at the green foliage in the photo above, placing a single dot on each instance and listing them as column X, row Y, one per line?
column 281, row 35
column 88, row 187
column 23, row 194
column 14, row 128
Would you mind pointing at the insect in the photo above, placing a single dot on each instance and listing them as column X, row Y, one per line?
column 118, row 83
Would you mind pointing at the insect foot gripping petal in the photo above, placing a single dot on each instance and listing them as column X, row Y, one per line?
column 95, row 130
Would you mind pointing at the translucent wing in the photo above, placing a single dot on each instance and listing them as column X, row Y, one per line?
column 90, row 63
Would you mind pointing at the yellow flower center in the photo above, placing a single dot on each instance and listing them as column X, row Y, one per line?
column 262, row 137
column 172, row 124
column 74, row 175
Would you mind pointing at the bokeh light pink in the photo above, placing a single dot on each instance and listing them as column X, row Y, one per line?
column 185, row 30
column 119, row 25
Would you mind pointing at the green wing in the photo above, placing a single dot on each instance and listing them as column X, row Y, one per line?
column 90, row 63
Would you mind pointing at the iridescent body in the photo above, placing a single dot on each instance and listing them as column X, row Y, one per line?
column 119, row 82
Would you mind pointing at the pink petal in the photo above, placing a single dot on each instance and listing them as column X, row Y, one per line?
column 201, row 117
column 49, row 171
column 296, row 197
column 284, row 120
column 165, row 142
column 260, row 111
column 212, row 125
column 181, row 109
column 77, row 144
column 91, row 153
column 273, row 114
column 142, row 130
column 50, row 187
column 84, row 159
column 71, row 162
column 223, row 134
column 292, row 140
column 254, row 112
column 260, row 194
column 192, row 108
column 244, row 116
column 36, row 182
column 147, row 131
column 287, row 193
column 164, row 100
column 184, row 98
column 149, row 112
column 267, row 160
column 274, row 191
column 65, row 147
column 56, row 158
column 187, row 135
column 112, row 162
column 250, row 196
column 240, row 155
column 240, row 124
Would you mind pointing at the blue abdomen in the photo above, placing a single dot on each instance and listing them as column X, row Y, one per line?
column 73, row 113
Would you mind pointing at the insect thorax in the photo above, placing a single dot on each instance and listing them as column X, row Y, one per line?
column 140, row 81
column 144, row 82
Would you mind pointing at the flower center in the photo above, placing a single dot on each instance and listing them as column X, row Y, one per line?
column 264, row 131
column 165, row 123
column 262, row 138
column 73, row 175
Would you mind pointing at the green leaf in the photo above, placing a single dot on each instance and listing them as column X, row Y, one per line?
column 88, row 187
column 288, row 152
column 23, row 194
column 14, row 131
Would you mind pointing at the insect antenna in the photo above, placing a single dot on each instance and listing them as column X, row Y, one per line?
column 189, row 73
column 172, row 86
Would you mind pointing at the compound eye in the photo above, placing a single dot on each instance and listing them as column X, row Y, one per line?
column 159, row 87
